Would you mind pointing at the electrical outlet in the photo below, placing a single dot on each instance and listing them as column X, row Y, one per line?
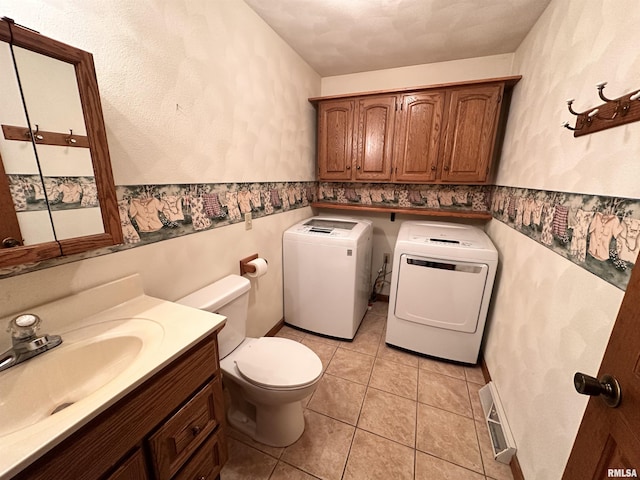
column 386, row 257
column 248, row 222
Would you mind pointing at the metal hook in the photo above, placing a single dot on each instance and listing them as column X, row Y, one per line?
column 621, row 108
column 37, row 136
column 571, row 110
column 600, row 86
column 70, row 140
column 583, row 120
column 569, row 127
column 592, row 114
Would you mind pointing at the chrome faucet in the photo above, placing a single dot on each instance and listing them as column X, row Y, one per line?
column 26, row 342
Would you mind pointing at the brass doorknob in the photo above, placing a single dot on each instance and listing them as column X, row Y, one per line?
column 607, row 387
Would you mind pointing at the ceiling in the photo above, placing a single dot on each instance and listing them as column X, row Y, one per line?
column 337, row 37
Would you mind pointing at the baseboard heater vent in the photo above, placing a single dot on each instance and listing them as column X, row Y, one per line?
column 502, row 442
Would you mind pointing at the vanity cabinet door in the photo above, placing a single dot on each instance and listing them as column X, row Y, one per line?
column 471, row 133
column 132, row 469
column 179, row 437
column 418, row 141
column 335, row 139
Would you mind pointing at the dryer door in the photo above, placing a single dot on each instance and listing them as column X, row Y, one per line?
column 440, row 293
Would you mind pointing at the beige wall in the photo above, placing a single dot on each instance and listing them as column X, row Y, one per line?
column 192, row 91
column 550, row 318
column 416, row 75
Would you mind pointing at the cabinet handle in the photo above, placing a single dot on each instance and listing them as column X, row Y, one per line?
column 348, row 167
column 433, row 167
column 202, row 477
column 358, row 167
column 446, row 168
column 196, row 430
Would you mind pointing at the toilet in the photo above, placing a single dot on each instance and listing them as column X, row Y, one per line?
column 268, row 377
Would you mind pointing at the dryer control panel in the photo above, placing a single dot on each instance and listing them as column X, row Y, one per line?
column 441, row 241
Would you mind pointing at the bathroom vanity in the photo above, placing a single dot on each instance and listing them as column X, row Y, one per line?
column 134, row 391
column 172, row 426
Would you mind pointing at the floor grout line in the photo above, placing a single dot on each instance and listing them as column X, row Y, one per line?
column 421, row 370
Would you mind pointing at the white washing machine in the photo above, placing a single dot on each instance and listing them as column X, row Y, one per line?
column 327, row 274
column 441, row 285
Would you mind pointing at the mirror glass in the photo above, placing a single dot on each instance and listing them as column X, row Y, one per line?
column 23, row 212
column 55, row 170
column 53, row 104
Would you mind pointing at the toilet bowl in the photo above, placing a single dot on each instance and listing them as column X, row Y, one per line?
column 268, row 377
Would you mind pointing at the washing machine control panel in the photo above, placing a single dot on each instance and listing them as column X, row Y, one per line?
column 322, row 231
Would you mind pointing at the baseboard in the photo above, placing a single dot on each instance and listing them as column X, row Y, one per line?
column 516, row 471
column 275, row 329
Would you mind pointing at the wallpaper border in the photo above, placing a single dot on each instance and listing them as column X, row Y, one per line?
column 596, row 232
column 153, row 213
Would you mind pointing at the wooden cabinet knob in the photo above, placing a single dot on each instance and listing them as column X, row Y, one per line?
column 358, row 167
column 446, row 168
column 433, row 167
column 348, row 167
column 196, row 430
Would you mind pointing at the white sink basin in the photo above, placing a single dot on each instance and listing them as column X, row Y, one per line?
column 114, row 338
column 88, row 359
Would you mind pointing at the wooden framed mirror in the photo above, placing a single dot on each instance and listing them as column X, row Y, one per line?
column 56, row 151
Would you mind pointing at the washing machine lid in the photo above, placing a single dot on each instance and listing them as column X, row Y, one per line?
column 278, row 363
column 331, row 228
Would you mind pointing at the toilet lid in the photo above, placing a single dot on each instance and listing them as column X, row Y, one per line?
column 278, row 363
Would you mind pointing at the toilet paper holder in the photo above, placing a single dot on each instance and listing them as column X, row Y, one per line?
column 244, row 264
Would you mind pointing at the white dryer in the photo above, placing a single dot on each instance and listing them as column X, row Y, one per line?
column 327, row 274
column 441, row 285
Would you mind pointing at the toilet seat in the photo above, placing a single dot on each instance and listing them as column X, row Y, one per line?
column 278, row 364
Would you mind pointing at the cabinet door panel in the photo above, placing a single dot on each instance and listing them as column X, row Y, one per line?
column 418, row 139
column 376, row 122
column 335, row 139
column 470, row 138
column 132, row 469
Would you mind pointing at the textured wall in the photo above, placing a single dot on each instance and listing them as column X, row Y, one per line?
column 550, row 318
column 416, row 75
column 192, row 92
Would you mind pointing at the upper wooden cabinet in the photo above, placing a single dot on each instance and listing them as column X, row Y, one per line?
column 335, row 139
column 419, row 137
column 471, row 133
column 439, row 134
column 374, row 138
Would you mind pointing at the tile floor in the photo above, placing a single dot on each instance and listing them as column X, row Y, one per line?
column 378, row 413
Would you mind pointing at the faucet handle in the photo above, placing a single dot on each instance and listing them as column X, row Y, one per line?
column 24, row 325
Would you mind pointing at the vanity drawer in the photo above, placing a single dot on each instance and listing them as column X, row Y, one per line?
column 184, row 432
column 208, row 461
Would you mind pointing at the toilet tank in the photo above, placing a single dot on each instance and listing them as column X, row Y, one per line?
column 229, row 296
